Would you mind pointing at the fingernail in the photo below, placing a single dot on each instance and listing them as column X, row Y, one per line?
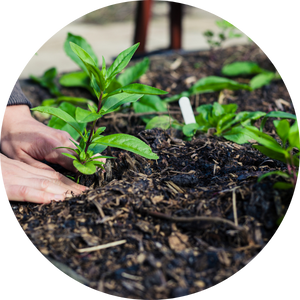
column 58, row 198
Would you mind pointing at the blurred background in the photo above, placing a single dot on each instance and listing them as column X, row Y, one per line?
column 111, row 29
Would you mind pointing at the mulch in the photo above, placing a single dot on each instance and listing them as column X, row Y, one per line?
column 180, row 224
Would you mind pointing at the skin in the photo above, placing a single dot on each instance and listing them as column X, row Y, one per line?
column 25, row 142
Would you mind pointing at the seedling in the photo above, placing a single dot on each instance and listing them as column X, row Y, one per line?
column 228, row 31
column 289, row 137
column 92, row 143
column 224, row 121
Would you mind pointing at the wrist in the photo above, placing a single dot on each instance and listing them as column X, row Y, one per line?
column 14, row 115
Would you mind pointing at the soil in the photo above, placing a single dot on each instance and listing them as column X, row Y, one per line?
column 181, row 224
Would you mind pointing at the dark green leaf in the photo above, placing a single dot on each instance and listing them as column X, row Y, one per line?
column 117, row 100
column 121, row 62
column 215, row 83
column 149, row 103
column 276, row 114
column 97, row 148
column 230, row 108
column 270, row 153
column 76, row 79
column 47, row 81
column 241, row 68
column 137, row 88
column 133, row 73
column 85, row 116
column 283, row 185
column 129, row 143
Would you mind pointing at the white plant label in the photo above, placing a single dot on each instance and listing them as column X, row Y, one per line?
column 186, row 110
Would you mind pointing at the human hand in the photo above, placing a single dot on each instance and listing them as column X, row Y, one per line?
column 27, row 183
column 25, row 139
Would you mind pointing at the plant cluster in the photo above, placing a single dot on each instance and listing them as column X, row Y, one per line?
column 114, row 91
column 110, row 97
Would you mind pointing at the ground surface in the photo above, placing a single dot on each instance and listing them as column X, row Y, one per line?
column 177, row 225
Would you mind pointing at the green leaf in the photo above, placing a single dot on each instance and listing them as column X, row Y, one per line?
column 97, row 148
column 149, row 103
column 282, row 129
column 47, row 81
column 69, row 155
column 129, row 143
column 241, row 68
column 85, row 116
column 276, row 114
column 270, row 153
column 205, row 111
column 294, row 139
column 60, row 124
column 242, row 117
column 215, row 83
column 90, row 65
column 163, row 122
column 223, row 121
column 237, row 135
column 261, row 79
column 113, row 85
column 78, row 40
column 137, row 88
column 60, row 114
column 230, row 108
column 283, row 185
column 95, row 86
column 278, row 173
column 121, row 62
column 190, row 129
column 72, row 100
column 264, row 139
column 134, row 73
column 117, row 100
column 218, row 110
column 88, row 168
column 177, row 97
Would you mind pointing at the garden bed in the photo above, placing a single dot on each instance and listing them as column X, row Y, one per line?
column 177, row 225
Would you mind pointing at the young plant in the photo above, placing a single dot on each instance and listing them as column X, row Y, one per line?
column 92, row 142
column 289, row 137
column 228, row 31
column 223, row 119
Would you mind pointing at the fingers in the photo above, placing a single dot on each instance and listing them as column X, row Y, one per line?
column 25, row 193
column 35, row 163
column 45, row 184
column 27, row 183
column 27, row 171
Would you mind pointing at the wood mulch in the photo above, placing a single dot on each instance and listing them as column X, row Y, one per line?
column 181, row 224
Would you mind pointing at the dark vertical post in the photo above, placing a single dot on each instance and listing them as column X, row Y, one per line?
column 142, row 17
column 175, row 25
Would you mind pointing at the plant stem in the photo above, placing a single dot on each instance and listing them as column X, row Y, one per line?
column 94, row 124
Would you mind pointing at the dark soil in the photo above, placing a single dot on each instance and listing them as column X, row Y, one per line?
column 177, row 225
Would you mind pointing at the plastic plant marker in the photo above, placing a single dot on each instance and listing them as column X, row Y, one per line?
column 186, row 110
